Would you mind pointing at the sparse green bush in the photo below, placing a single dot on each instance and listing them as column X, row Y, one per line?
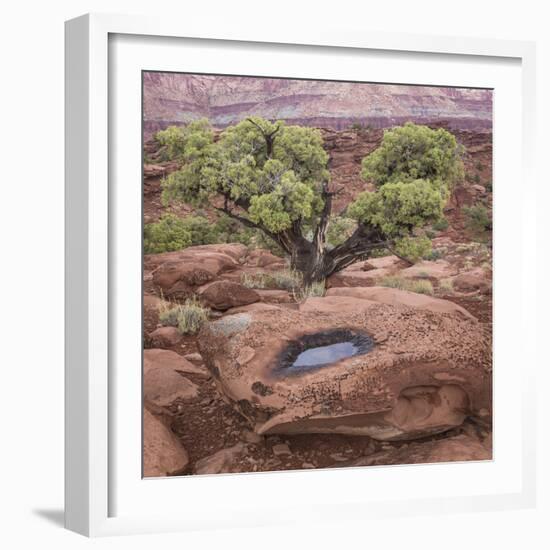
column 433, row 255
column 413, row 248
column 477, row 179
column 479, row 166
column 166, row 235
column 477, row 218
column 440, row 225
column 187, row 317
column 174, row 233
column 418, row 286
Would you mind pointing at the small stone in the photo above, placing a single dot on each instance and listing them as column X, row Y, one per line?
column 281, row 449
column 338, row 457
column 194, row 357
column 308, row 465
column 251, row 437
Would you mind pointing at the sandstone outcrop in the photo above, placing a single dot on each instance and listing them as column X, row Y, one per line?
column 163, row 454
column 425, row 373
column 222, row 295
column 396, row 297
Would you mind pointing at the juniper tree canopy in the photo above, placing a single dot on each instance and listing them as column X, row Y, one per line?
column 274, row 177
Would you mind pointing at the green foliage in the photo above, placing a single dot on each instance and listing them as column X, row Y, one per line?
column 174, row 233
column 420, row 287
column 188, row 317
column 413, row 248
column 276, row 187
column 477, row 218
column 166, row 235
column 479, row 166
column 397, row 208
column 415, row 152
column 440, row 225
column 184, row 143
column 340, row 228
column 273, row 178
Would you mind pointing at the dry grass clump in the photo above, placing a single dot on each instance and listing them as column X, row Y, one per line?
column 446, row 285
column 285, row 279
column 187, row 317
column 314, row 290
column 421, row 286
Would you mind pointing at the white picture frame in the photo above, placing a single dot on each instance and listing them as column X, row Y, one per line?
column 99, row 501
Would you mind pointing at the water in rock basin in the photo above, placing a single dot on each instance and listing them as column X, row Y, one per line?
column 325, row 354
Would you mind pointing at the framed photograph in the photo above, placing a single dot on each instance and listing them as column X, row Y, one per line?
column 289, row 290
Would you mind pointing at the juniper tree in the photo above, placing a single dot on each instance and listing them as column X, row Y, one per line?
column 274, row 178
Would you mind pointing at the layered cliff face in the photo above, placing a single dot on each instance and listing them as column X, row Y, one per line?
column 173, row 98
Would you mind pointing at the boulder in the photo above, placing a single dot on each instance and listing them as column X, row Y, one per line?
column 421, row 374
column 263, row 258
column 396, row 297
column 163, row 384
column 472, row 281
column 165, row 337
column 177, row 279
column 222, row 462
column 222, row 295
column 163, row 454
column 162, row 358
column 385, row 262
column 351, row 277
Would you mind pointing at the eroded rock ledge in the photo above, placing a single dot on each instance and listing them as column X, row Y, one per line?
column 427, row 371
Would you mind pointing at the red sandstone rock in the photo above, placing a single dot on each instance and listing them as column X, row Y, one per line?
column 163, row 454
column 222, row 295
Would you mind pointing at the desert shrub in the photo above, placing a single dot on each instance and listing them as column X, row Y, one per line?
column 168, row 234
column 314, row 290
column 174, row 233
column 257, row 280
column 440, row 225
column 446, row 285
column 287, row 279
column 433, row 255
column 413, row 248
column 477, row 218
column 489, row 186
column 418, row 286
column 187, row 317
column 421, row 287
column 477, row 179
column 479, row 166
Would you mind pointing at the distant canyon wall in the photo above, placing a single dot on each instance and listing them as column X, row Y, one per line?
column 176, row 99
